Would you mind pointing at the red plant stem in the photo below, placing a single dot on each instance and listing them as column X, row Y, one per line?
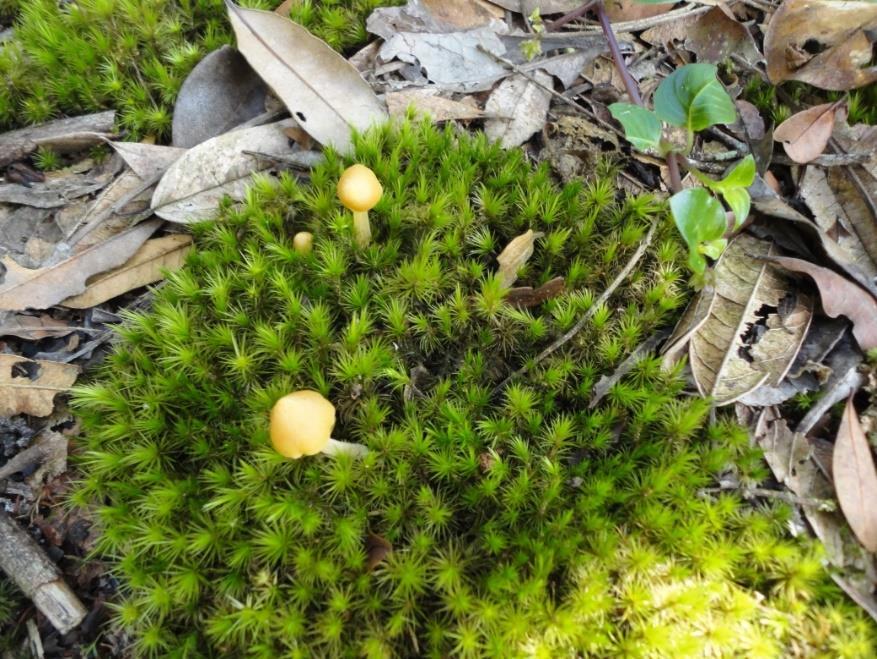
column 629, row 83
column 631, row 86
column 571, row 16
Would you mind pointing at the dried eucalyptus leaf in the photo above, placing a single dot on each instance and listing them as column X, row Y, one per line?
column 221, row 92
column 515, row 256
column 193, row 186
column 748, row 339
column 321, row 89
column 29, row 386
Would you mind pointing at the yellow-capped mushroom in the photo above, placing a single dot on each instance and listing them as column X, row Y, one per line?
column 303, row 242
column 301, row 424
column 359, row 190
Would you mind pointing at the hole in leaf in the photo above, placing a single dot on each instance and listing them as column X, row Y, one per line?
column 23, row 369
column 300, row 116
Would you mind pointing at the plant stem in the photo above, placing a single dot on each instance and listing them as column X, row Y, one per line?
column 629, row 83
column 362, row 231
column 337, row 447
column 569, row 17
column 631, row 86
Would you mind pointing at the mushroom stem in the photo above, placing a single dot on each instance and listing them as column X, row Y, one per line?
column 361, row 228
column 334, row 447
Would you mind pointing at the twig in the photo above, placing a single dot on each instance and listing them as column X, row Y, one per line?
column 517, row 69
column 29, row 567
column 571, row 333
column 789, row 497
column 646, row 23
column 827, row 159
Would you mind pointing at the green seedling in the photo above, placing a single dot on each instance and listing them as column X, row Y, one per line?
column 692, row 99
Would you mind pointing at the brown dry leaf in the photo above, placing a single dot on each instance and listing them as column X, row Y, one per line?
column 44, row 287
column 695, row 315
column 855, row 478
column 840, row 297
column 524, row 102
column 29, row 386
column 463, row 14
column 34, row 328
column 515, row 256
column 825, row 43
column 738, row 348
column 377, row 548
column 632, row 10
column 192, row 187
column 285, row 7
column 805, row 135
column 321, row 89
column 713, row 36
column 53, row 459
column 224, row 82
column 525, row 297
column 790, row 457
column 427, row 101
column 527, row 7
column 145, row 267
column 148, row 161
column 840, row 211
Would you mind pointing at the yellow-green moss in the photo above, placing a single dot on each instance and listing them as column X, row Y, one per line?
column 522, row 522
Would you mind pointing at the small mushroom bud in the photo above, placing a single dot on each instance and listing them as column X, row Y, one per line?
column 359, row 190
column 303, row 242
column 302, row 423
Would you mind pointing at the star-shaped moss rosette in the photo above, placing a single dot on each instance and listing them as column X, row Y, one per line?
column 516, row 523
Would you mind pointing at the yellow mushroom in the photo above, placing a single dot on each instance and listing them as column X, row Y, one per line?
column 303, row 242
column 302, row 423
column 359, row 190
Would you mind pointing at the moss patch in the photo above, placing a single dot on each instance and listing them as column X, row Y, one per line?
column 131, row 55
column 521, row 523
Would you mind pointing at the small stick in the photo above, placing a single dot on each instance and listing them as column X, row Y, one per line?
column 563, row 340
column 29, row 567
column 827, row 159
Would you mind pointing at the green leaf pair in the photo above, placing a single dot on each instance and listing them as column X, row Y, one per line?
column 691, row 97
column 733, row 187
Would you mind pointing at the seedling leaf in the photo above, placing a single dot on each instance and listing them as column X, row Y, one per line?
column 692, row 97
column 641, row 127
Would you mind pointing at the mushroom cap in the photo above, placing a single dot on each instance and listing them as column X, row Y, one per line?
column 301, row 423
column 303, row 242
column 359, row 189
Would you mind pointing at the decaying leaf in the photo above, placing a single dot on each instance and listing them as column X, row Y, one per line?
column 321, row 89
column 451, row 61
column 427, row 101
column 515, row 256
column 841, row 212
column 840, row 297
column 148, row 161
column 855, row 478
column 192, row 187
column 754, row 328
column 631, row 10
column 463, row 14
column 789, row 456
column 825, row 43
column 524, row 297
column 39, row 289
column 29, row 386
column 524, row 102
column 377, row 549
column 527, row 7
column 34, row 328
column 713, row 36
column 147, row 266
column 226, row 84
column 805, row 135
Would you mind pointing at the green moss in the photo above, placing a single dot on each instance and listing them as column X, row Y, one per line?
column 131, row 55
column 522, row 523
